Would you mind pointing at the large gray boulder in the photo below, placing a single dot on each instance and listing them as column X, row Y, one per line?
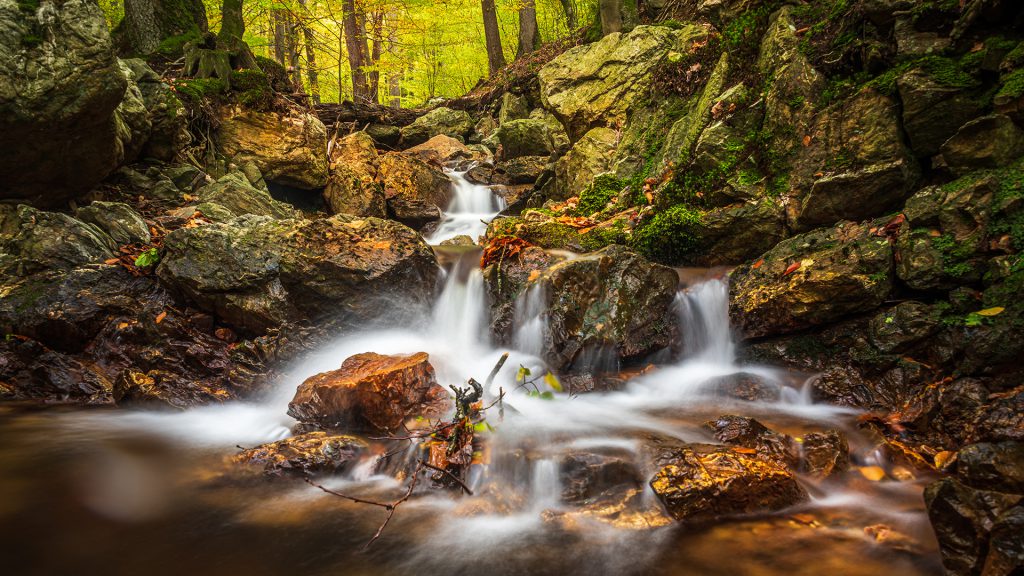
column 60, row 84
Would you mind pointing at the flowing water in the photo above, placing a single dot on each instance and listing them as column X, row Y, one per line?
column 131, row 492
column 472, row 208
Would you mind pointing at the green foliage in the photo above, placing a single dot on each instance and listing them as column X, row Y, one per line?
column 670, row 235
column 955, row 255
column 148, row 258
column 745, row 30
column 1012, row 86
column 174, row 46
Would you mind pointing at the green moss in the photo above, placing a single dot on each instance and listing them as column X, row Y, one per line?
column 955, row 255
column 199, row 89
column 276, row 74
column 174, row 46
column 1012, row 86
column 28, row 6
column 1015, row 59
column 253, row 88
column 597, row 196
column 670, row 236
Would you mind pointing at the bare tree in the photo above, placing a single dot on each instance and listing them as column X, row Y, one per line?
column 569, row 7
column 529, row 37
column 311, row 71
column 356, row 62
column 495, row 55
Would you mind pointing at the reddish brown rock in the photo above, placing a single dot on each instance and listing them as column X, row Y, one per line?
column 371, row 392
column 703, row 483
column 309, row 453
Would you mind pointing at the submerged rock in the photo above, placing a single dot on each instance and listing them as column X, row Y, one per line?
column 705, row 483
column 371, row 392
column 587, row 475
column 310, row 453
column 824, row 453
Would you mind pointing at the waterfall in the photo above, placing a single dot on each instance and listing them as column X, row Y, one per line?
column 530, row 321
column 471, row 208
column 704, row 321
column 460, row 314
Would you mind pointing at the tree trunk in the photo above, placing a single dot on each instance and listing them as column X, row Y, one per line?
column 360, row 90
column 292, row 44
column 495, row 55
column 611, row 16
column 377, row 23
column 232, row 25
column 279, row 41
column 148, row 22
column 569, row 7
column 529, row 38
column 311, row 71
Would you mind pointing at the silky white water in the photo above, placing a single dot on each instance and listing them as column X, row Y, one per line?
column 472, row 207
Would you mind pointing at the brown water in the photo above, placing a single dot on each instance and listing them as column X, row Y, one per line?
column 75, row 500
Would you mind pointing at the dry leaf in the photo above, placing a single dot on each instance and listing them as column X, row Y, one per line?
column 873, row 473
column 807, row 141
column 757, row 264
column 994, row 311
column 160, row 317
column 534, row 274
column 111, row 261
column 791, row 268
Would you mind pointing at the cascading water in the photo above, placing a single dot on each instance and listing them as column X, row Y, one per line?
column 520, row 490
column 472, row 207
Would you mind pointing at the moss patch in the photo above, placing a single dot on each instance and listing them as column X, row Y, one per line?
column 670, row 236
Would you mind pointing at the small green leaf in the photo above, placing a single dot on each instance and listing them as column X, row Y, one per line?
column 974, row 319
column 547, row 395
column 552, row 381
column 480, row 426
column 889, row 320
column 147, row 258
column 522, row 373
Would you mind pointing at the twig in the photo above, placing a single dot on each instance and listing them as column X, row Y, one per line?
column 347, row 497
column 449, row 474
column 496, row 369
column 394, row 505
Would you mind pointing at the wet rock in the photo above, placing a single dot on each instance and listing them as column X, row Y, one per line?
column 289, row 150
column 705, row 483
column 31, row 371
column 416, row 192
column 965, row 521
column 524, row 169
column 118, row 220
column 903, row 325
column 745, row 386
column 310, row 453
column 157, row 388
column 453, row 123
column 597, row 83
column 586, row 475
column 812, row 279
column 352, row 192
column 257, row 273
column 372, row 392
column 606, row 302
column 487, row 174
column 526, row 137
column 238, row 196
column 751, row 434
column 992, row 466
column 824, row 453
column 169, row 134
column 590, row 156
column 460, row 240
column 987, row 142
column 505, row 280
column 739, row 232
column 60, row 84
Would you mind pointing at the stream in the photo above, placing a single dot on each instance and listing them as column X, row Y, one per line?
column 132, row 492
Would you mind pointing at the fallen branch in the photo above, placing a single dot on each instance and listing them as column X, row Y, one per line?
column 449, row 474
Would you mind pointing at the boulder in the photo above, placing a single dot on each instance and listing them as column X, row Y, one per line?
column 29, row 371
column 162, row 389
column 352, row 187
column 444, row 150
column 704, row 483
column 559, row 137
column 992, row 466
column 32, row 240
column 169, row 134
column 118, row 220
column 238, row 196
column 371, row 392
column 384, row 134
column 257, row 272
column 454, row 123
column 589, row 157
column 988, row 142
column 751, row 434
column 525, row 137
column 512, row 107
column 855, row 164
column 60, row 84
column 131, row 120
column 597, row 83
column 289, row 150
column 416, row 192
column 524, row 169
column 310, row 453
column 933, row 111
column 738, row 232
column 823, row 454
column 610, row 302
column 813, row 279
column 975, row 527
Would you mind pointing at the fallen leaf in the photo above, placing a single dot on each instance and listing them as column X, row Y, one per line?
column 944, row 458
column 111, row 261
column 757, row 264
column 807, row 140
column 160, row 317
column 224, row 334
column 791, row 268
column 994, row 311
column 873, row 473
column 534, row 274
column 743, row 450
